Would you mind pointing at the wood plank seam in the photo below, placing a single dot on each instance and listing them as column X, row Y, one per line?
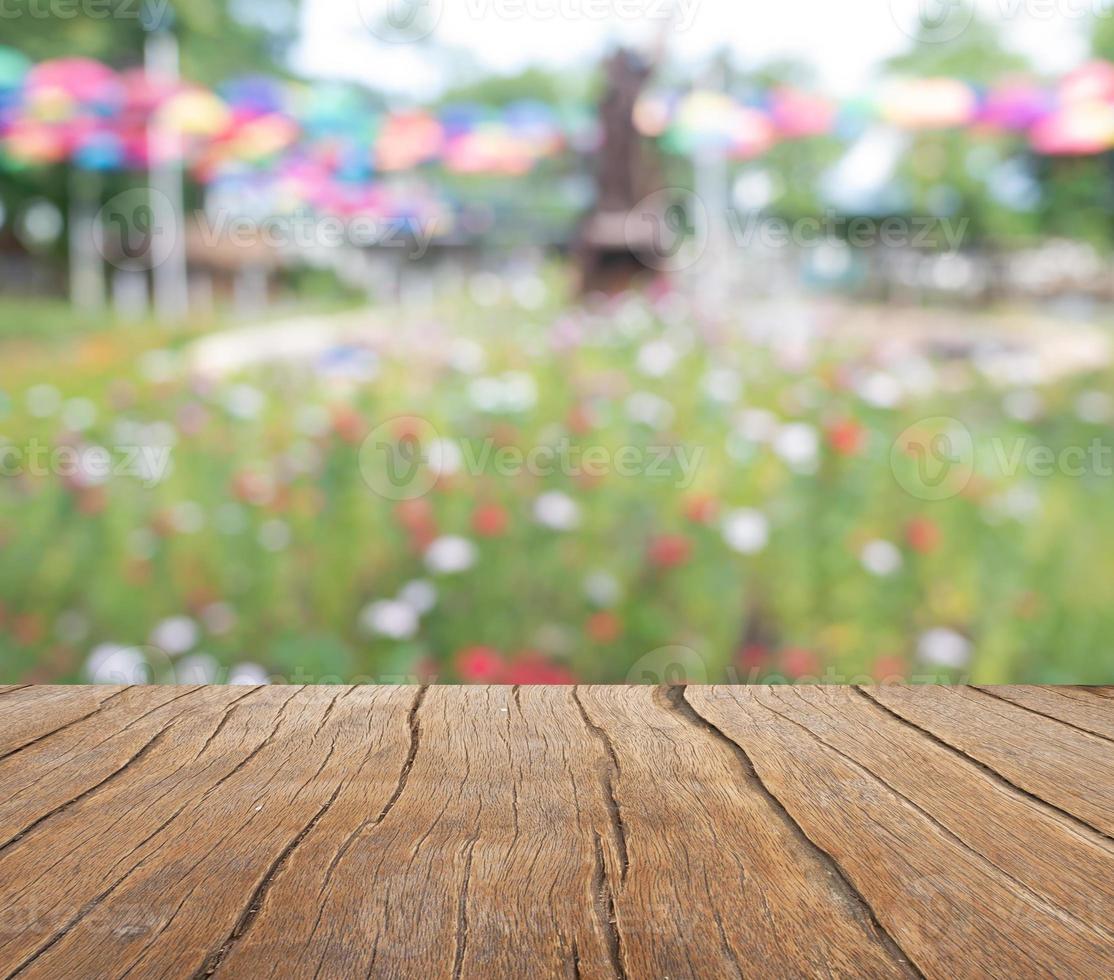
column 1081, row 825
column 609, row 776
column 1042, row 714
column 947, row 831
column 676, row 697
column 68, row 724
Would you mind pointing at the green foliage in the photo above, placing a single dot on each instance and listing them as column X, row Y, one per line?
column 270, row 534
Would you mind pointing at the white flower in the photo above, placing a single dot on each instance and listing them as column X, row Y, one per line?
column 78, row 414
column 466, row 356
column 219, row 618
column 557, row 511
column 722, row 385
column 444, row 457
column 159, row 435
column 602, row 589
column 657, row 358
column 515, row 391
column 650, row 410
column 175, row 635
column 43, row 400
column 248, row 674
column 158, row 366
column 450, row 555
column 420, row 595
column 198, row 668
column 799, row 445
column 757, row 424
column 944, row 647
column 187, row 517
column 520, row 391
column 881, row 558
column 114, row 663
column 274, row 535
column 94, row 466
column 390, row 618
column 880, row 390
column 1023, row 405
column 231, row 518
column 244, row 402
column 746, row 531
column 1095, row 407
column 312, row 420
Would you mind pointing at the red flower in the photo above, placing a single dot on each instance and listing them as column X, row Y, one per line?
column 889, row 670
column 800, row 663
column 753, row 655
column 415, row 515
column 701, row 508
column 923, row 535
column 604, row 627
column 347, row 424
column 847, row 437
column 670, row 550
column 481, row 665
column 490, row 521
column 579, row 420
column 533, row 668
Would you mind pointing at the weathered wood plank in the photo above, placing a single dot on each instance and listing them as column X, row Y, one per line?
column 30, row 713
column 1080, row 709
column 495, row 829
column 592, row 832
column 741, row 891
column 950, row 909
column 1067, row 768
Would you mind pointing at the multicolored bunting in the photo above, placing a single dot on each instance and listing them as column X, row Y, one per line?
column 330, row 142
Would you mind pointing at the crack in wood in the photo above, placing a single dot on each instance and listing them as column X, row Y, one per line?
column 605, row 911
column 609, row 775
column 415, row 740
column 1041, row 714
column 255, row 903
column 1081, row 826
column 462, row 909
column 147, row 747
column 1047, row 904
column 68, row 724
column 855, row 899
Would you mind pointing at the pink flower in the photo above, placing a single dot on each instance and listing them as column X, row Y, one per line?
column 533, row 668
column 481, row 665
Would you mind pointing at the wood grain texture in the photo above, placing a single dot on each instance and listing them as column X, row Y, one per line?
column 555, row 831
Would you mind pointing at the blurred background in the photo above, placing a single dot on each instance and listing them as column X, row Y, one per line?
column 552, row 341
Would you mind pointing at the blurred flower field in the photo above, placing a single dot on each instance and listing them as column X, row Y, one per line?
column 634, row 492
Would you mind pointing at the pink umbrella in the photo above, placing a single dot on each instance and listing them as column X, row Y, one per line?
column 798, row 114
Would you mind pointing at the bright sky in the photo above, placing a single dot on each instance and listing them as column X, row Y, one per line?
column 844, row 40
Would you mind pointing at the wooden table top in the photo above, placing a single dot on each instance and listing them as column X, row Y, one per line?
column 555, row 831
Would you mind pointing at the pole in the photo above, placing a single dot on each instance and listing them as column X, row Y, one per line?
column 87, row 290
column 168, row 242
